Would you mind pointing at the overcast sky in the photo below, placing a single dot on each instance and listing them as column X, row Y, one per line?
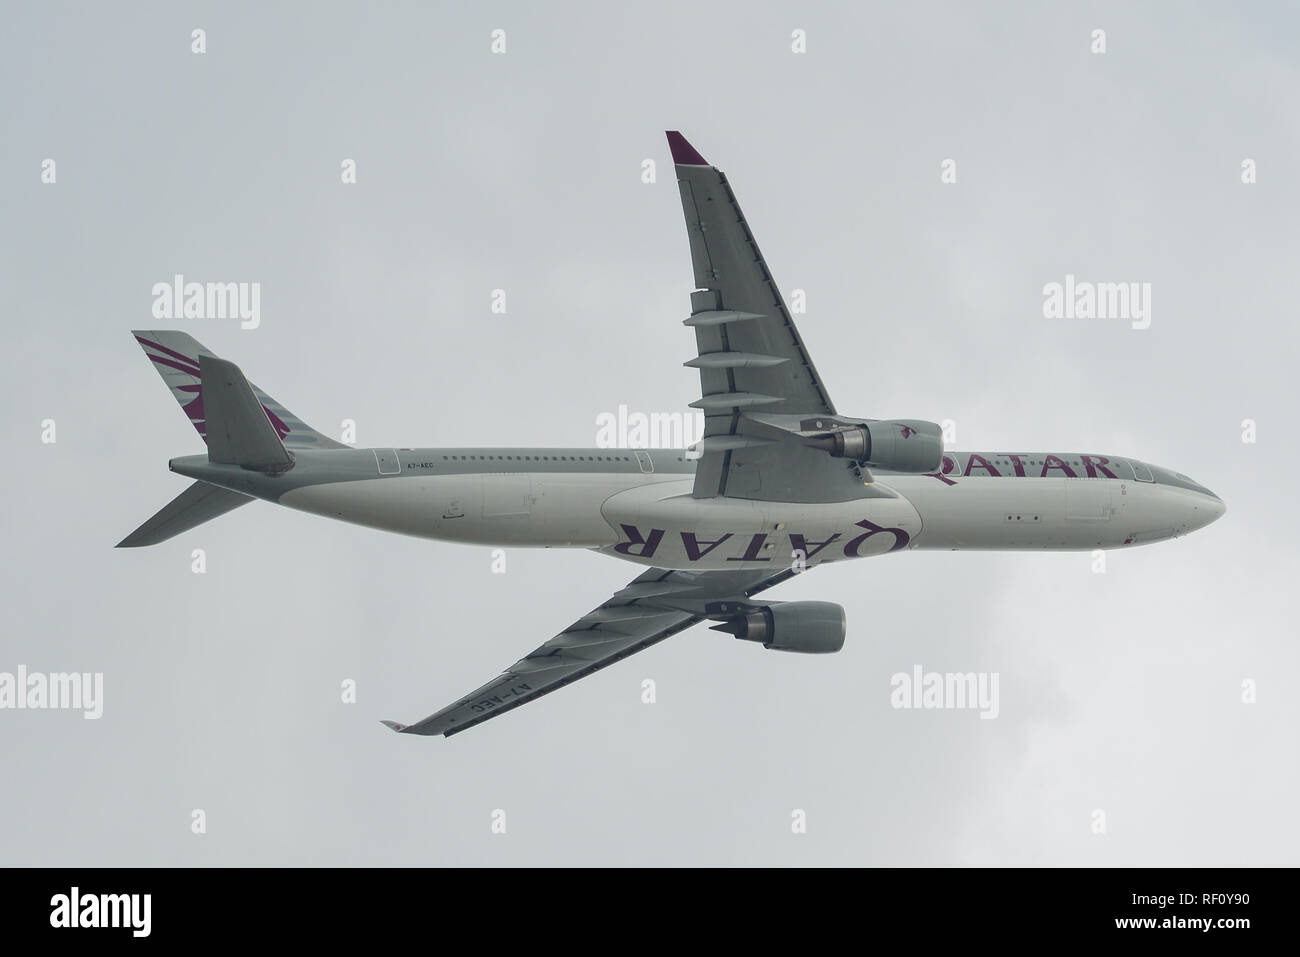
column 1120, row 692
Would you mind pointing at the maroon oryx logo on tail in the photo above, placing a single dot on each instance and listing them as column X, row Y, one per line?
column 194, row 406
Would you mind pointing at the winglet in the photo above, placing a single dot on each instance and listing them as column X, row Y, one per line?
column 684, row 154
column 394, row 725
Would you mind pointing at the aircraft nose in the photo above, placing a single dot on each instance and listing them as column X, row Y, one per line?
column 1206, row 508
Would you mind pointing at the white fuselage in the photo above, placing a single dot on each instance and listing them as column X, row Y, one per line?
column 652, row 518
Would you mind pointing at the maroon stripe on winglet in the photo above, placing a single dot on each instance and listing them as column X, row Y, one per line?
column 684, row 154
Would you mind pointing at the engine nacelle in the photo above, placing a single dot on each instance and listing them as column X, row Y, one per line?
column 895, row 445
column 810, row 627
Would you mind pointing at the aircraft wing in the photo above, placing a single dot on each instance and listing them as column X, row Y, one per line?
column 654, row 606
column 751, row 358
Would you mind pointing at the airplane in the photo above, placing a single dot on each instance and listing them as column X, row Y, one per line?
column 780, row 482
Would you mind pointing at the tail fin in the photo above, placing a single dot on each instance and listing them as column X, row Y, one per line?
column 194, row 506
column 177, row 355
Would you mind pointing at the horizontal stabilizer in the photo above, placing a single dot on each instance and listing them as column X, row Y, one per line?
column 199, row 503
column 239, row 433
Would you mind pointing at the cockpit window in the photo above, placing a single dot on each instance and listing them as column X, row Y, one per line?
column 1179, row 480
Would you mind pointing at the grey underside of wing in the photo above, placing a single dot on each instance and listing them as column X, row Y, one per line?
column 750, row 358
column 199, row 503
column 654, row 606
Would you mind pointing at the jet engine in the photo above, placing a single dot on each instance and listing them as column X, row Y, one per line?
column 894, row 445
column 811, row 627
